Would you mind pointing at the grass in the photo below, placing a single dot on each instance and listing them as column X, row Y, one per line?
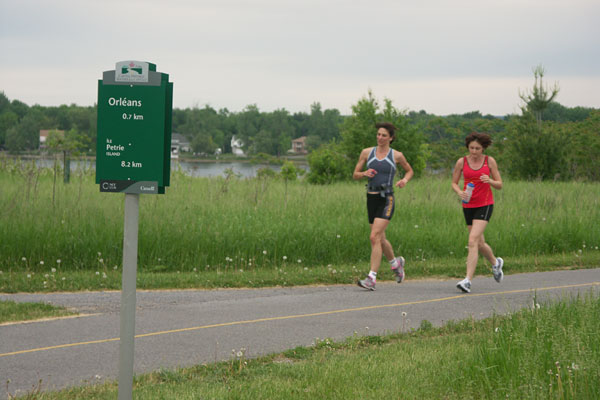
column 219, row 232
column 11, row 311
column 549, row 351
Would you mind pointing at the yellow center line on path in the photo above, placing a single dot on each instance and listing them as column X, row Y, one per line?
column 285, row 317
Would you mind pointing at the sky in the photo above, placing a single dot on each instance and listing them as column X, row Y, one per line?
column 444, row 57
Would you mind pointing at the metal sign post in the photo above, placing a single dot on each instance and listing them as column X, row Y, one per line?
column 133, row 148
column 127, row 325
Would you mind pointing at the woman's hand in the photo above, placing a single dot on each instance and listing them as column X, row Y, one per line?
column 401, row 183
column 370, row 173
column 485, row 178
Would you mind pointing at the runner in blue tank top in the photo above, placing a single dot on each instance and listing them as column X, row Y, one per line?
column 380, row 162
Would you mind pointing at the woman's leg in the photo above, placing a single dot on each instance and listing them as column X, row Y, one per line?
column 377, row 238
column 486, row 250
column 475, row 236
column 388, row 250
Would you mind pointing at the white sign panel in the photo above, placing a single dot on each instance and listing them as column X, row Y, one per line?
column 131, row 71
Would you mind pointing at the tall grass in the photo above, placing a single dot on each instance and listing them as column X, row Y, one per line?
column 248, row 224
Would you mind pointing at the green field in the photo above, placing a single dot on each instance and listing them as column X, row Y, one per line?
column 216, row 232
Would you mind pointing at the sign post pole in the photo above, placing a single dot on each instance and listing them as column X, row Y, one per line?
column 135, row 104
column 128, row 296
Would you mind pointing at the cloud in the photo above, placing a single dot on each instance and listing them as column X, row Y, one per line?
column 288, row 53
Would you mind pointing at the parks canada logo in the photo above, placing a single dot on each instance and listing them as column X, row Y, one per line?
column 131, row 71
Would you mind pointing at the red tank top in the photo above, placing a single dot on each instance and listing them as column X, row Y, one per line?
column 482, row 193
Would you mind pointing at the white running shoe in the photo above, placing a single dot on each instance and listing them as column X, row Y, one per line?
column 399, row 272
column 367, row 283
column 464, row 285
column 497, row 270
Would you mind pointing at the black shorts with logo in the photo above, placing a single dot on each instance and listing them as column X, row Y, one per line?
column 380, row 207
column 484, row 213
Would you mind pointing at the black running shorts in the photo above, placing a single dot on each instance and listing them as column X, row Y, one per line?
column 380, row 207
column 484, row 213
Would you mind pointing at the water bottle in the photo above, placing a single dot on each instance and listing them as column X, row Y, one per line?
column 469, row 191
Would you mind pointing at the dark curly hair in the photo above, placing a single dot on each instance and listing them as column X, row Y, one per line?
column 483, row 139
column 388, row 127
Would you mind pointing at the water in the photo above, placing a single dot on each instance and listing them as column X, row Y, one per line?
column 197, row 169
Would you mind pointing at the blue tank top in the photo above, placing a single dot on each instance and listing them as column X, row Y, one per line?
column 386, row 169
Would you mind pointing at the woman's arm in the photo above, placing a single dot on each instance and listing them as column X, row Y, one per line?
column 408, row 171
column 496, row 180
column 458, row 167
column 358, row 170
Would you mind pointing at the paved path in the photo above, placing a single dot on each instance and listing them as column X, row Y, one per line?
column 183, row 328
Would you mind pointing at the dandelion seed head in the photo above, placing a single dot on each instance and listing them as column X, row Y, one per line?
column 46, row 275
column 416, row 226
column 53, row 270
column 404, row 313
column 28, row 275
column 99, row 254
column 338, row 236
column 264, row 252
column 97, row 272
column 299, row 261
column 63, row 278
column 41, row 262
column 58, row 261
column 284, row 258
column 23, row 259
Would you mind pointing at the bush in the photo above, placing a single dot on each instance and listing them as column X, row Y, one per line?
column 328, row 164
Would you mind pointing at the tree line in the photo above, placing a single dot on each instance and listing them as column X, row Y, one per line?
column 546, row 141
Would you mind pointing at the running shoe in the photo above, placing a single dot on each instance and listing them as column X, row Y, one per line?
column 497, row 270
column 399, row 272
column 464, row 285
column 367, row 283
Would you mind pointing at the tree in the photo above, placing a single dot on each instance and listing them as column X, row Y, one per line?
column 8, row 119
column 358, row 131
column 583, row 153
column 4, row 102
column 328, row 164
column 26, row 134
column 534, row 152
column 539, row 98
column 203, row 144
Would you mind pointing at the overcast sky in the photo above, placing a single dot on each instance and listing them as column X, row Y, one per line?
column 444, row 57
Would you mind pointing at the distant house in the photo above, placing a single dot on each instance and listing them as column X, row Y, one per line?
column 44, row 133
column 179, row 143
column 236, row 146
column 299, row 145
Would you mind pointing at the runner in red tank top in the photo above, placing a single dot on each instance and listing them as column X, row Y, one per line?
column 481, row 171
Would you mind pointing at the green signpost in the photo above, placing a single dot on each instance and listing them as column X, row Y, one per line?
column 133, row 157
column 133, row 152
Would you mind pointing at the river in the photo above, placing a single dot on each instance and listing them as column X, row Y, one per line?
column 192, row 168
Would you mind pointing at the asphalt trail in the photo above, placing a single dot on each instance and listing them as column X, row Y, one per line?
column 188, row 327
